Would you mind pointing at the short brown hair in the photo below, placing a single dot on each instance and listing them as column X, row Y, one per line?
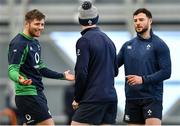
column 34, row 14
column 143, row 10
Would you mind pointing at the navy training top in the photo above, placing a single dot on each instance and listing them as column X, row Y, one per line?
column 95, row 68
column 149, row 58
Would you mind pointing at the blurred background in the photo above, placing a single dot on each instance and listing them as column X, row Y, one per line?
column 58, row 47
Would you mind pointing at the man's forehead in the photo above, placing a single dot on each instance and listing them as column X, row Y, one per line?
column 38, row 20
column 140, row 15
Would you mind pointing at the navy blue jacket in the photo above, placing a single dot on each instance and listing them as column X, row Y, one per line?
column 95, row 68
column 149, row 58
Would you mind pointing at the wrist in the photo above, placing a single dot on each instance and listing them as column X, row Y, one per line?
column 62, row 76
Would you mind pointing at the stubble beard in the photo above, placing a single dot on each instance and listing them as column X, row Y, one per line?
column 142, row 31
column 32, row 33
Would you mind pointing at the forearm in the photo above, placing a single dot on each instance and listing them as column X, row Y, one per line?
column 13, row 72
column 164, row 72
column 45, row 72
column 80, row 87
column 158, row 76
column 116, row 70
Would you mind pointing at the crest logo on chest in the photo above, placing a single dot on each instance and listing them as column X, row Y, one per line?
column 148, row 47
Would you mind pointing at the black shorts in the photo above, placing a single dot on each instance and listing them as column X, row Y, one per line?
column 33, row 108
column 137, row 111
column 96, row 113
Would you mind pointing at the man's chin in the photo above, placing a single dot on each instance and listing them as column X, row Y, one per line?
column 37, row 35
column 139, row 32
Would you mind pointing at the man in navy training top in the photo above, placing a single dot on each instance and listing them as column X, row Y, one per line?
column 26, row 69
column 95, row 98
column 147, row 64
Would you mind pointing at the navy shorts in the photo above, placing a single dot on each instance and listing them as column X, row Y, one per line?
column 96, row 113
column 33, row 108
column 137, row 111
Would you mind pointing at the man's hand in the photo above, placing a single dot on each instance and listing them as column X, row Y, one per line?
column 24, row 81
column 69, row 76
column 75, row 105
column 134, row 79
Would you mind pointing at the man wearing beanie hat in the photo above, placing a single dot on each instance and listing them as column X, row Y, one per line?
column 95, row 98
column 88, row 14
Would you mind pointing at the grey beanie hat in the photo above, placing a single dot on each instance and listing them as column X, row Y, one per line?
column 88, row 14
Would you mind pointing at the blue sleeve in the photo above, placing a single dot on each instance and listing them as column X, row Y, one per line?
column 17, row 53
column 116, row 70
column 81, row 68
column 45, row 72
column 16, row 57
column 120, row 57
column 116, row 67
column 164, row 62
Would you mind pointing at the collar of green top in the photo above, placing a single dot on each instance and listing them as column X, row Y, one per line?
column 26, row 36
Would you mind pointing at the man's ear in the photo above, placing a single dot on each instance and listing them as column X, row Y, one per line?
column 150, row 20
column 26, row 23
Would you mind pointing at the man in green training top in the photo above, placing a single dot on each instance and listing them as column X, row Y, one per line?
column 26, row 69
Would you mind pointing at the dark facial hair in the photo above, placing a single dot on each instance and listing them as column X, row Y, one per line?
column 143, row 31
